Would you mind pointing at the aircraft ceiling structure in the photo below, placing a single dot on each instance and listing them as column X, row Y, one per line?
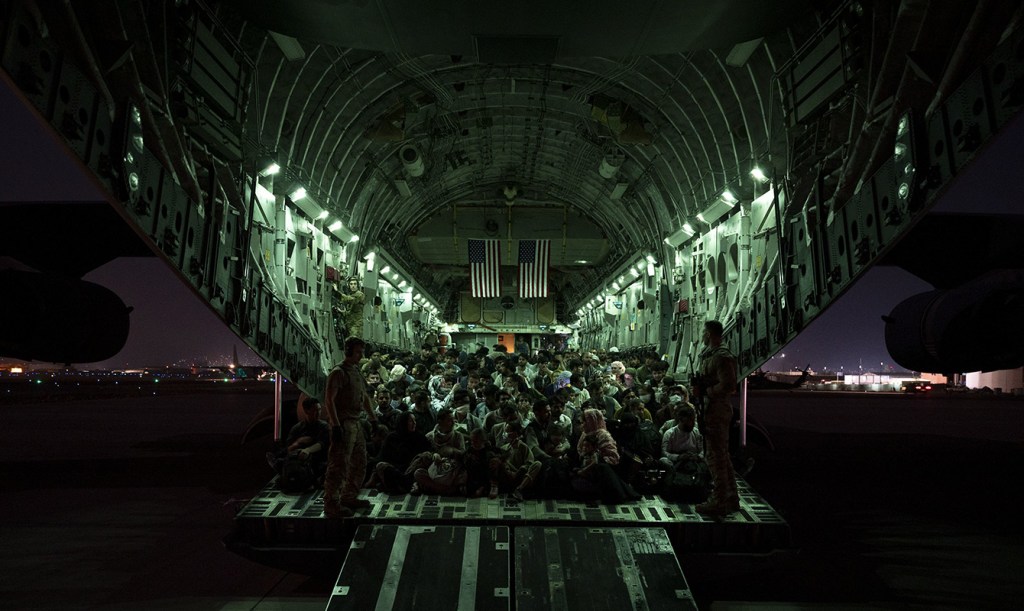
column 412, row 128
column 536, row 105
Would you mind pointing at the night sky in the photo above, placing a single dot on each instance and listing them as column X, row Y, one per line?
column 171, row 325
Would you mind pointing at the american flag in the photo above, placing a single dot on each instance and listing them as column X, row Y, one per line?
column 534, row 257
column 485, row 267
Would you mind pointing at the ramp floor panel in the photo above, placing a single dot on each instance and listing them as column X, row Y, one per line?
column 597, row 568
column 425, row 567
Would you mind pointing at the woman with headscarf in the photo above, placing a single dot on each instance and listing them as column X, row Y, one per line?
column 593, row 424
column 619, row 379
column 601, row 478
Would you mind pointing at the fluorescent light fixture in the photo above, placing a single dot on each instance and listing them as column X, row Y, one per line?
column 394, row 277
column 622, row 279
column 297, row 194
column 681, row 235
column 758, row 175
column 719, row 208
column 403, row 284
column 336, row 225
column 582, row 262
column 635, row 273
column 354, row 238
column 323, row 214
column 417, row 296
column 615, row 285
column 386, row 269
column 271, row 169
column 650, row 258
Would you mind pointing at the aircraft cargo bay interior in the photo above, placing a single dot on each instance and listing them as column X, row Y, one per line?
column 653, row 190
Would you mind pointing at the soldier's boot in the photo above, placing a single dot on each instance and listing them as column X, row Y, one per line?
column 334, row 509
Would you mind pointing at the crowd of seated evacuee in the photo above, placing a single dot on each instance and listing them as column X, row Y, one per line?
column 593, row 425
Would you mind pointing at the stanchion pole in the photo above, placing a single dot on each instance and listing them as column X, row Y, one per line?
column 278, row 388
column 743, row 413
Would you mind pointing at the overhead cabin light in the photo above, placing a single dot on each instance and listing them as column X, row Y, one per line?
column 901, row 127
column 323, row 214
column 635, row 273
column 417, row 296
column 271, row 169
column 622, row 279
column 385, row 269
column 336, row 225
column 297, row 194
column 354, row 238
column 403, row 284
column 650, row 258
column 615, row 285
column 718, row 208
column 681, row 235
column 758, row 175
column 582, row 261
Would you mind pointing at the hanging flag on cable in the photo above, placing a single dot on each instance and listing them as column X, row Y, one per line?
column 534, row 257
column 485, row 268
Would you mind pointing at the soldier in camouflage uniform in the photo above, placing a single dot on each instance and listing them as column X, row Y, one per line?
column 346, row 397
column 717, row 381
column 349, row 309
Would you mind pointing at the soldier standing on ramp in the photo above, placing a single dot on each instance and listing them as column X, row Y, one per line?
column 346, row 396
column 717, row 380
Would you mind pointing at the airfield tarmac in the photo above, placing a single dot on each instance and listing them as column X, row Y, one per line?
column 894, row 502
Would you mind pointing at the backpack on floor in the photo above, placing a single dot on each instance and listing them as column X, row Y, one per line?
column 689, row 483
column 296, row 475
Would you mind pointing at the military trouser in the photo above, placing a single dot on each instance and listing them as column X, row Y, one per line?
column 354, row 326
column 346, row 463
column 717, row 422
